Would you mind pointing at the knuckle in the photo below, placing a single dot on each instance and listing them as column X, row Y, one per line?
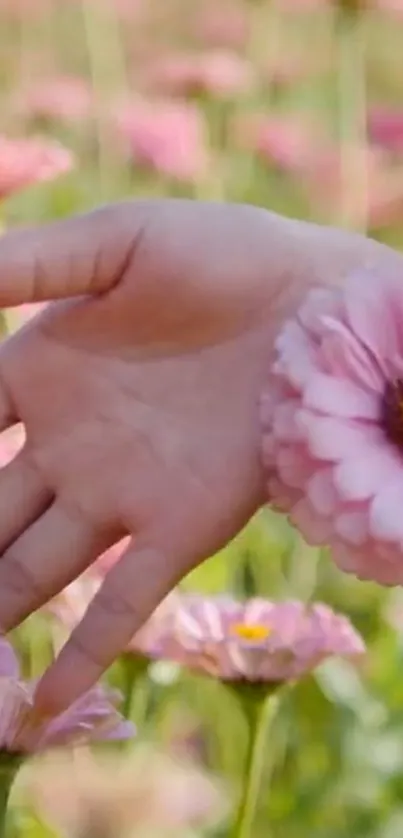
column 89, row 650
column 21, row 590
column 19, row 576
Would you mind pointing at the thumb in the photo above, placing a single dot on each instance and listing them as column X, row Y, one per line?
column 85, row 254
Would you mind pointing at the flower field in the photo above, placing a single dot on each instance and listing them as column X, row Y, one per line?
column 264, row 697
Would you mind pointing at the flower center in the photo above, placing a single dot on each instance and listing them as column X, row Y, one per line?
column 251, row 633
column 392, row 411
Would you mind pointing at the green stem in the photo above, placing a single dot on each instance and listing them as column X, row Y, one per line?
column 4, row 797
column 350, row 32
column 261, row 714
column 135, row 669
column 9, row 766
column 108, row 75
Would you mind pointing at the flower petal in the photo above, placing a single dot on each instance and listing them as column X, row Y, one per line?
column 370, row 314
column 294, row 465
column 359, row 477
column 322, row 493
column 353, row 527
column 386, row 513
column 331, row 438
column 340, row 397
column 343, row 355
column 315, row 529
column 9, row 666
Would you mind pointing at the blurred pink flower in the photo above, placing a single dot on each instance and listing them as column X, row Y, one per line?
column 333, row 424
column 257, row 640
column 222, row 24
column 372, row 188
column 70, row 605
column 220, row 73
column 26, row 9
column 395, row 7
column 385, row 127
column 24, row 162
column 284, row 141
column 144, row 793
column 169, row 137
column 92, row 717
column 65, row 98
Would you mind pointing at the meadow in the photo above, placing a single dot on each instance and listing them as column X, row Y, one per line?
column 293, row 105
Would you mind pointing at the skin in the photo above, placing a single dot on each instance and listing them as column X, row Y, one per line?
column 139, row 392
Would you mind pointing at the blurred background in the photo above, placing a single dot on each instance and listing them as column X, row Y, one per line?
column 294, row 105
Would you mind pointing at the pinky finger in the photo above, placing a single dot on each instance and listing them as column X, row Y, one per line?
column 128, row 595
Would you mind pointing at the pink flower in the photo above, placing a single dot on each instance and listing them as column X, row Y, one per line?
column 333, row 424
column 257, row 640
column 165, row 136
column 385, row 127
column 92, row 717
column 24, row 162
column 394, row 7
column 220, row 73
column 370, row 189
column 66, row 98
column 222, row 25
column 26, row 9
column 286, row 142
column 70, row 605
column 144, row 793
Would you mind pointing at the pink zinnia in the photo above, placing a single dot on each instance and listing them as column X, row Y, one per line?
column 220, row 73
column 222, row 24
column 385, row 127
column 257, row 640
column 169, row 137
column 333, row 423
column 119, row 796
column 286, row 142
column 91, row 717
column 369, row 190
column 24, row 162
column 66, row 98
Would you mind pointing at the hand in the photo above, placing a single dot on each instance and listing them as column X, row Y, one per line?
column 139, row 399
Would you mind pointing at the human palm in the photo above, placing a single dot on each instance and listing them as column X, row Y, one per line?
column 139, row 398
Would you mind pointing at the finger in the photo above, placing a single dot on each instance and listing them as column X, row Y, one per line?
column 23, row 497
column 46, row 558
column 8, row 412
column 129, row 593
column 85, row 254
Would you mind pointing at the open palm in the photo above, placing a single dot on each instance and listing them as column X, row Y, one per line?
column 139, row 398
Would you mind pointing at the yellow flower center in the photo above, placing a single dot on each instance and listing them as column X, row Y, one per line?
column 255, row 633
